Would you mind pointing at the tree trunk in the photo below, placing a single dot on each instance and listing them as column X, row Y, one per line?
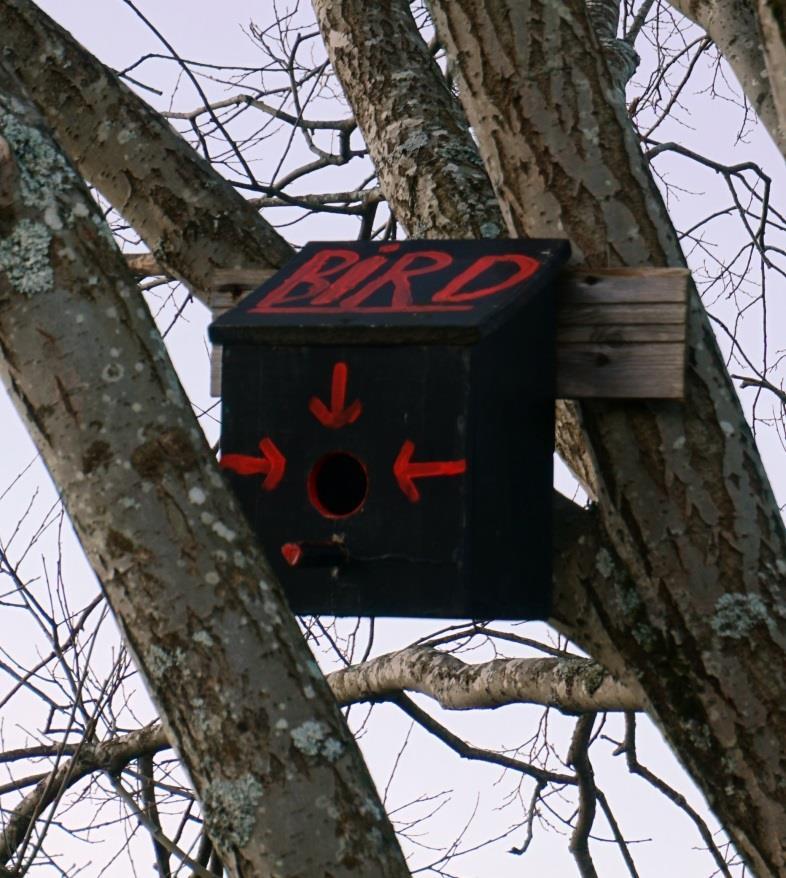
column 772, row 24
column 755, row 48
column 190, row 218
column 284, row 789
column 683, row 494
column 426, row 160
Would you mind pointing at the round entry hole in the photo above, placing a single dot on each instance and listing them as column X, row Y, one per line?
column 337, row 485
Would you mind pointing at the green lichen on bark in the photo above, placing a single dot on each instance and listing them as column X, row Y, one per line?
column 736, row 615
column 230, row 810
column 160, row 661
column 42, row 174
column 42, row 170
column 313, row 738
column 593, row 677
column 24, row 258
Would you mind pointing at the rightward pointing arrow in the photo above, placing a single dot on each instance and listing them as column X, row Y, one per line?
column 272, row 463
column 405, row 471
column 337, row 415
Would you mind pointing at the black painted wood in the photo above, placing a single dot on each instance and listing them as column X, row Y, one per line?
column 392, row 449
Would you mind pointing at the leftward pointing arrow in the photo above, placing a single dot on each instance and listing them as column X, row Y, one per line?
column 405, row 471
column 272, row 463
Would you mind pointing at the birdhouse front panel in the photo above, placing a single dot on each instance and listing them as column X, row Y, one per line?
column 388, row 427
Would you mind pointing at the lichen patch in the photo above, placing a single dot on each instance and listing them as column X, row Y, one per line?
column 737, row 614
column 24, row 257
column 230, row 809
column 313, row 738
column 196, row 496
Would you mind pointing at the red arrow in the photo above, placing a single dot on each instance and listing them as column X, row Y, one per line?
column 336, row 416
column 405, row 471
column 272, row 463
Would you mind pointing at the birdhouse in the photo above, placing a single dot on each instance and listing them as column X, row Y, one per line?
column 388, row 425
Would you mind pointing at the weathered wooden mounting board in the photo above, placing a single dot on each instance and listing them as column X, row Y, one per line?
column 620, row 332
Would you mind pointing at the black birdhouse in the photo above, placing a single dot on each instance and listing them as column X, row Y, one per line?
column 388, row 425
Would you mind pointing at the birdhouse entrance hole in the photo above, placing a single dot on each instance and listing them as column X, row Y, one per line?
column 338, row 484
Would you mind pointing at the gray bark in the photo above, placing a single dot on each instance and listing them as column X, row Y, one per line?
column 572, row 685
column 284, row 789
column 685, row 508
column 406, row 135
column 683, row 494
column 620, row 56
column 772, row 26
column 753, row 44
column 191, row 220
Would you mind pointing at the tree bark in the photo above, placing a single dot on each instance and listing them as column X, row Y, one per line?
column 284, row 789
column 620, row 56
column 754, row 46
column 572, row 685
column 427, row 163
column 683, row 496
column 192, row 221
column 772, row 25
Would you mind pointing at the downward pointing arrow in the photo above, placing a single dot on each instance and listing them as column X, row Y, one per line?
column 337, row 415
column 405, row 471
column 272, row 463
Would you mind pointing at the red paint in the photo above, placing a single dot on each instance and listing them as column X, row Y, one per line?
column 454, row 292
column 414, row 309
column 405, row 471
column 292, row 553
column 316, row 275
column 272, row 463
column 337, row 415
column 337, row 280
column 348, row 281
column 399, row 276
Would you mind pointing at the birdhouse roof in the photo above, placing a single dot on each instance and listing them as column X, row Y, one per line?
column 396, row 292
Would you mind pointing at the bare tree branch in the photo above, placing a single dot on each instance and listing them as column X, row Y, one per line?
column 571, row 685
column 467, row 751
column 578, row 757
